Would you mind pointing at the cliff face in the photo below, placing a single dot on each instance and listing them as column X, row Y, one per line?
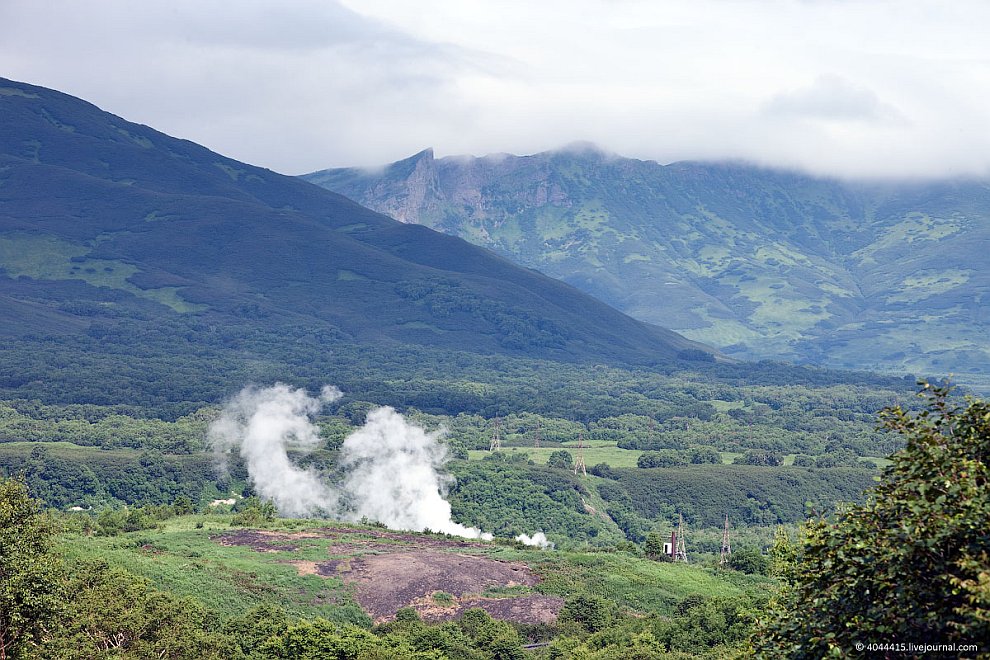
column 410, row 190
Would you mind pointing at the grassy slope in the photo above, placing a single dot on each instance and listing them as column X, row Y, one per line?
column 227, row 579
column 232, row 579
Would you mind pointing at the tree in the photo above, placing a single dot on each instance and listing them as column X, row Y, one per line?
column 654, row 546
column 561, row 459
column 603, row 470
column 661, row 459
column 702, row 455
column 759, row 457
column 319, row 638
column 592, row 612
column 913, row 563
column 31, row 593
column 749, row 560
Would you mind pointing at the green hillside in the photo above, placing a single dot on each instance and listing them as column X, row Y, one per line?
column 759, row 263
column 108, row 228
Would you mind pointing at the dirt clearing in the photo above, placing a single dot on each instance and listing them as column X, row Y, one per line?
column 438, row 576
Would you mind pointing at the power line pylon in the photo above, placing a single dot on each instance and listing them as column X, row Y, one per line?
column 579, row 463
column 536, row 437
column 680, row 550
column 726, row 547
column 496, row 436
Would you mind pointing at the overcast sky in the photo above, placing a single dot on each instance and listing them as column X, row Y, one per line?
column 845, row 87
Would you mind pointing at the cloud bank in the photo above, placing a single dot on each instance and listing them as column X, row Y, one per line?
column 877, row 88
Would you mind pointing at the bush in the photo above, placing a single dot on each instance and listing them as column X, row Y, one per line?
column 592, row 612
column 561, row 459
column 660, row 459
column 252, row 512
column 603, row 470
column 31, row 592
column 750, row 561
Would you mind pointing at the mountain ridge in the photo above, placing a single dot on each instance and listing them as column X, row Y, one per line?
column 102, row 219
column 758, row 262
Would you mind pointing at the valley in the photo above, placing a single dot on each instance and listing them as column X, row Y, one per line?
column 242, row 416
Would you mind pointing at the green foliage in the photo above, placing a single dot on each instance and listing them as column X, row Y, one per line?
column 64, row 475
column 561, row 459
column 508, row 499
column 320, row 639
column 107, row 427
column 911, row 563
column 113, row 611
column 705, row 623
column 664, row 459
column 749, row 560
column 251, row 629
column 253, row 512
column 749, row 494
column 653, row 548
column 603, row 470
column 756, row 457
column 592, row 612
column 31, row 589
column 705, row 455
column 783, row 556
column 111, row 522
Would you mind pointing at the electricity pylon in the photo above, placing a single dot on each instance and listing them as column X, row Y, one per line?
column 680, row 551
column 579, row 463
column 726, row 547
column 496, row 436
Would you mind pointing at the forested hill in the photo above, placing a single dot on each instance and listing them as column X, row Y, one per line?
column 109, row 228
column 759, row 263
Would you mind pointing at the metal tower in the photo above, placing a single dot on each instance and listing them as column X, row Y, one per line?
column 496, row 435
column 726, row 547
column 536, row 437
column 579, row 463
column 680, row 551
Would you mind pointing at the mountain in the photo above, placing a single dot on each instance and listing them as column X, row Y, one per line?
column 761, row 263
column 110, row 229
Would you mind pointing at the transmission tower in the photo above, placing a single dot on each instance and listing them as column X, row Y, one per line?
column 536, row 437
column 680, row 551
column 496, row 435
column 726, row 547
column 579, row 463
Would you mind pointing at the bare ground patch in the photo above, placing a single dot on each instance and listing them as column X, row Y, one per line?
column 390, row 570
column 385, row 583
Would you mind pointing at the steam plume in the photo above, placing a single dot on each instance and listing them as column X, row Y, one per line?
column 393, row 475
column 263, row 424
column 392, row 467
column 539, row 540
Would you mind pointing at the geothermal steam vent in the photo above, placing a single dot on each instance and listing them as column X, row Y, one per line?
column 392, row 469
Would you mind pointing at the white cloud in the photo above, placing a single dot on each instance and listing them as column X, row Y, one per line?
column 835, row 99
column 877, row 87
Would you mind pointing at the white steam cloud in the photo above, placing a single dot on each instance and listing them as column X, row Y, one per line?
column 392, row 467
column 394, row 475
column 538, row 540
column 263, row 424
